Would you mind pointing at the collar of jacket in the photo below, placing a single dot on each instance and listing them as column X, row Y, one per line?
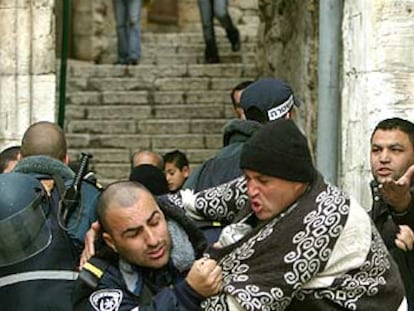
column 239, row 131
column 44, row 165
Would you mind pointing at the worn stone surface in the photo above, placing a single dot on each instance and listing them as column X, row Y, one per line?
column 27, row 67
column 287, row 49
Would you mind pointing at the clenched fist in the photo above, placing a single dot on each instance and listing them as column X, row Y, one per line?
column 205, row 277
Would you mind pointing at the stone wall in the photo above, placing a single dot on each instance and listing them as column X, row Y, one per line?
column 27, row 66
column 288, row 37
column 378, row 80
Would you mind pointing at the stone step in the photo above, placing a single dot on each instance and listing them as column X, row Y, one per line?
column 177, row 49
column 188, row 38
column 143, row 97
column 139, row 105
column 191, row 58
column 226, row 57
column 78, row 69
column 145, row 83
column 140, row 112
column 109, row 134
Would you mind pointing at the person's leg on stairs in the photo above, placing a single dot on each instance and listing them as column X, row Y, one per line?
column 121, row 20
column 206, row 13
column 222, row 14
column 134, row 31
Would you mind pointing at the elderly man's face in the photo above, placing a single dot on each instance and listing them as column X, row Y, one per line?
column 269, row 196
column 391, row 154
column 139, row 233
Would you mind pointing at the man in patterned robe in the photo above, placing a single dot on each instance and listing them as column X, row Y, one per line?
column 308, row 246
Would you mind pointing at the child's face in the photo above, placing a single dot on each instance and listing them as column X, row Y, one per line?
column 175, row 176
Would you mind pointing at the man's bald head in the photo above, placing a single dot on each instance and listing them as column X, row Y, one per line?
column 147, row 157
column 44, row 138
column 118, row 194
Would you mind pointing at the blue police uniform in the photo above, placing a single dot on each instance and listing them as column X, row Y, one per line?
column 107, row 280
column 44, row 279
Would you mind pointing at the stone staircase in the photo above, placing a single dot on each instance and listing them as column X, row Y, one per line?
column 170, row 100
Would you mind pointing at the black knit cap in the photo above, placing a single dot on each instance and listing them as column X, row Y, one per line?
column 279, row 149
column 151, row 177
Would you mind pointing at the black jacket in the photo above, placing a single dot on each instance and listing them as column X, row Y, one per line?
column 225, row 165
column 387, row 224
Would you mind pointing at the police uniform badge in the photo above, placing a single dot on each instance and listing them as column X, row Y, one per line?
column 106, row 299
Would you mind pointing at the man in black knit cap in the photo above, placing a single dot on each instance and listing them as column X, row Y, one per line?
column 302, row 244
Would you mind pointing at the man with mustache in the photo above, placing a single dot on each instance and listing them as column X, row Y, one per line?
column 299, row 243
column 392, row 154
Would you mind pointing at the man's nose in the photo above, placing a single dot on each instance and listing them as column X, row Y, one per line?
column 384, row 156
column 251, row 188
column 150, row 237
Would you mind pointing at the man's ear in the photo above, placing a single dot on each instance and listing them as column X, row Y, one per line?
column 186, row 171
column 66, row 159
column 109, row 241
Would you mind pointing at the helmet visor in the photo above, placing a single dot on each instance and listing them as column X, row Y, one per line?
column 24, row 234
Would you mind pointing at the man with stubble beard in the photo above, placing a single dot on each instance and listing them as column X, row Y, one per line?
column 392, row 155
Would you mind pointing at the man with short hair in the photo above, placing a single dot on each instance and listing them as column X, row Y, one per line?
column 147, row 157
column 9, row 158
column 43, row 278
column 151, row 263
column 258, row 100
column 235, row 96
column 392, row 154
column 44, row 155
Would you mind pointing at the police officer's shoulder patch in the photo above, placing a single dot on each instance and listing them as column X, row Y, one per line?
column 106, row 299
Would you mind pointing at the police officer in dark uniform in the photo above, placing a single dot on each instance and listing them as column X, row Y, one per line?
column 37, row 259
column 149, row 259
column 46, row 210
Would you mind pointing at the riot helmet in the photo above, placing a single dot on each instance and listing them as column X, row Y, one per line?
column 23, row 228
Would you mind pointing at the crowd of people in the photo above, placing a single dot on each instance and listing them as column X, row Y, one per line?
column 255, row 227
